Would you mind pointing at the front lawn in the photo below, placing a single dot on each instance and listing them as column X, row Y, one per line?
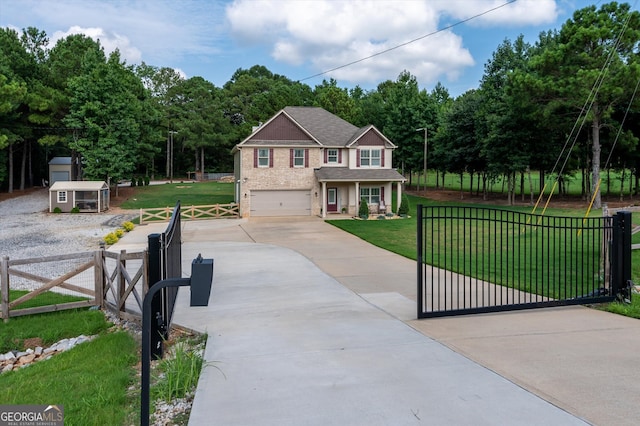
column 189, row 194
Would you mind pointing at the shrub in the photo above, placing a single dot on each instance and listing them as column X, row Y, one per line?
column 140, row 181
column 363, row 211
column 75, row 210
column 111, row 238
column 128, row 226
column 133, row 181
column 403, row 210
column 119, row 233
column 57, row 210
column 146, row 181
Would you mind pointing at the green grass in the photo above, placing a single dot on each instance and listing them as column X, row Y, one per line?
column 70, row 323
column 189, row 194
column 44, row 299
column 627, row 309
column 573, row 183
column 90, row 381
column 178, row 373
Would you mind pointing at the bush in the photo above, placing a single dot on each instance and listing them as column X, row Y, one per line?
column 119, row 233
column 111, row 238
column 363, row 211
column 57, row 210
column 403, row 210
column 146, row 181
column 128, row 226
column 75, row 210
column 140, row 181
column 133, row 181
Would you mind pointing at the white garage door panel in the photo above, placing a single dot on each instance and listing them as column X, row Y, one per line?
column 280, row 203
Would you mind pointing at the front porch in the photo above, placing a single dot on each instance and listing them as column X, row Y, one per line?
column 339, row 198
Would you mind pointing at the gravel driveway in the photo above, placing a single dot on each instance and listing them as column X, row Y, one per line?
column 28, row 230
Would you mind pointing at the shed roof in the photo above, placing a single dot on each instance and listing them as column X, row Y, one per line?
column 78, row 185
column 60, row 161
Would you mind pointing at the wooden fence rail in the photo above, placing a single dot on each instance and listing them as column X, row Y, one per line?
column 116, row 277
column 213, row 211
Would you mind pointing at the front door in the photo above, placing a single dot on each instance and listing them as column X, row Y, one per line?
column 332, row 200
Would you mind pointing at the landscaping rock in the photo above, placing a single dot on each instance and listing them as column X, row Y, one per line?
column 12, row 360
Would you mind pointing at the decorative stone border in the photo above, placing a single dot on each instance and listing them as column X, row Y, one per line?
column 13, row 359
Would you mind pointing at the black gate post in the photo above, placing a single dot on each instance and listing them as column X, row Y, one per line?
column 621, row 255
column 155, row 276
column 420, row 292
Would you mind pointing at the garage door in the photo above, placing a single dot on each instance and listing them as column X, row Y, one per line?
column 280, row 203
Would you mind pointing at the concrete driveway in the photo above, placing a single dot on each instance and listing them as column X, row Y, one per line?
column 311, row 325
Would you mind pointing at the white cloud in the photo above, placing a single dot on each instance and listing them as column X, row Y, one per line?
column 329, row 34
column 160, row 32
column 110, row 42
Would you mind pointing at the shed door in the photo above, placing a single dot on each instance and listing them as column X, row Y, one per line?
column 281, row 203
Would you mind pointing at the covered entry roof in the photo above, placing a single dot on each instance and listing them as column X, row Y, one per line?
column 79, row 185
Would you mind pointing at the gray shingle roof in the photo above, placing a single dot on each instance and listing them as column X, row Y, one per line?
column 328, row 129
column 350, row 175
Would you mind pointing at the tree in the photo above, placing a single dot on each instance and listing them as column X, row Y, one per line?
column 506, row 135
column 456, row 147
column 160, row 84
column 199, row 120
column 406, row 109
column 335, row 100
column 593, row 63
column 12, row 94
column 106, row 111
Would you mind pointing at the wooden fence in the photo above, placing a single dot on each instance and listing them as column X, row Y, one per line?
column 606, row 211
column 115, row 281
column 214, row 211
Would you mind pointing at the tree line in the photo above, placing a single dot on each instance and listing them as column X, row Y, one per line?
column 563, row 106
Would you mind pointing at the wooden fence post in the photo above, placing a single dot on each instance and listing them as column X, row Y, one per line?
column 4, row 288
column 98, row 277
column 122, row 285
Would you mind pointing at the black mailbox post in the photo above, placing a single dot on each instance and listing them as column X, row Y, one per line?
column 201, row 278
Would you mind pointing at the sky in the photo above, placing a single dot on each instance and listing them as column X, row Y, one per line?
column 446, row 41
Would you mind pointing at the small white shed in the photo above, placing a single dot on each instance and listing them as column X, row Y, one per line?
column 87, row 196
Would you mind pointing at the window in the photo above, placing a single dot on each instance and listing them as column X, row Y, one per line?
column 370, row 158
column 371, row 195
column 298, row 158
column 263, row 158
column 62, row 196
column 332, row 156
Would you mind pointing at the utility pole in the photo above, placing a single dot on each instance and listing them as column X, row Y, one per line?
column 425, row 154
column 170, row 154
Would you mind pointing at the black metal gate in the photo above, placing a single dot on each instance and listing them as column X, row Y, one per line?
column 165, row 262
column 476, row 260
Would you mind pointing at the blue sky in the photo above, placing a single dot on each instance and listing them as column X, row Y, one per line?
column 301, row 38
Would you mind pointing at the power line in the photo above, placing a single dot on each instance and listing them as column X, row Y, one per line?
column 410, row 41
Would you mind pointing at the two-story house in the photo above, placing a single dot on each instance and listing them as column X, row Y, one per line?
column 307, row 161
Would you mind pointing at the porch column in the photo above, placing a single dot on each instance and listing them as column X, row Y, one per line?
column 399, row 195
column 323, row 200
column 357, row 194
